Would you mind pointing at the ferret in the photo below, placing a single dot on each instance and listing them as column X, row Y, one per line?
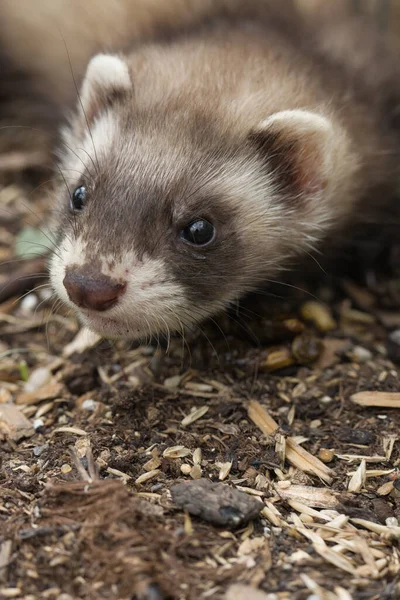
column 201, row 161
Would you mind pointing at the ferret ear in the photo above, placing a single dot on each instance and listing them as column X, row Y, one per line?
column 107, row 78
column 297, row 147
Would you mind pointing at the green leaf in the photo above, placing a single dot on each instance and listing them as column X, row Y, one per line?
column 31, row 242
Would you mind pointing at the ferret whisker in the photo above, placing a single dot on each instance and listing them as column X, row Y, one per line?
column 181, row 332
column 200, row 329
column 53, row 295
column 57, row 140
column 21, row 278
column 82, row 107
column 32, row 291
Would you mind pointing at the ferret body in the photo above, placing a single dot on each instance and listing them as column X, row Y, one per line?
column 201, row 163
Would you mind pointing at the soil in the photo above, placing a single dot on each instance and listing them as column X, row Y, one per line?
column 100, row 435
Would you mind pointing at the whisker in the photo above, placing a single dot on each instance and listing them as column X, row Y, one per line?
column 81, row 104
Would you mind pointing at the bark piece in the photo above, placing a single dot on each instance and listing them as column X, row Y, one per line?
column 216, row 502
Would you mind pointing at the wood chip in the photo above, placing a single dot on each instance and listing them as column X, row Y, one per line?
column 383, row 530
column 66, row 429
column 272, row 514
column 146, row 476
column 216, row 502
column 224, row 470
column 176, row 452
column 13, row 423
column 194, row 415
column 124, row 476
column 295, row 454
column 357, row 482
column 381, row 399
column 385, row 489
column 308, row 495
column 5, row 553
column 47, row 392
column 239, row 591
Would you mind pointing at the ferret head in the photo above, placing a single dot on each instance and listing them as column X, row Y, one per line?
column 169, row 211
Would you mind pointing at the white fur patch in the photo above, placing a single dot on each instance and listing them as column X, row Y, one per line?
column 299, row 122
column 104, row 72
column 81, row 157
column 153, row 302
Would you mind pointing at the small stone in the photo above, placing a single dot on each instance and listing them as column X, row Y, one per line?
column 392, row 522
column 38, row 450
column 66, row 468
column 173, row 382
column 326, row 454
column 326, row 400
column 29, row 303
column 185, row 469
column 361, row 437
column 38, row 424
column 359, row 354
column 89, row 405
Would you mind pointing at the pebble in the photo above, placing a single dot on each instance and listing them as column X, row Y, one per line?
column 392, row 522
column 360, row 355
column 37, row 379
column 363, row 437
column 173, row 382
column 66, row 468
column 326, row 454
column 326, row 400
column 38, row 450
column 29, row 303
column 89, row 404
column 38, row 424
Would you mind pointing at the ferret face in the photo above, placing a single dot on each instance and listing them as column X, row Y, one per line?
column 165, row 217
column 149, row 237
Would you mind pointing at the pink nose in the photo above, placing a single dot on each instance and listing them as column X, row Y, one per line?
column 94, row 291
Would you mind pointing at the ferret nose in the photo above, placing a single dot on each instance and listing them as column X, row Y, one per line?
column 97, row 292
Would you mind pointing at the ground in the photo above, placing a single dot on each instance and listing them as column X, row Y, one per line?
column 94, row 436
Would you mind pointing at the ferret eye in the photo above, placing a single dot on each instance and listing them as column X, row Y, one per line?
column 78, row 198
column 199, row 232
